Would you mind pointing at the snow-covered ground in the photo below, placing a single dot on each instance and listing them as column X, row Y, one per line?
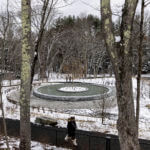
column 14, row 144
column 88, row 119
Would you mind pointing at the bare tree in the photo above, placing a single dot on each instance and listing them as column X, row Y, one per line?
column 3, row 114
column 3, row 31
column 122, row 67
column 5, row 24
column 47, row 9
column 140, row 51
column 25, row 131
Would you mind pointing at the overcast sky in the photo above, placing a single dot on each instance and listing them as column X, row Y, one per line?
column 78, row 7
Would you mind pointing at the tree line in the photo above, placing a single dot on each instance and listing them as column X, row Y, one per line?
column 68, row 43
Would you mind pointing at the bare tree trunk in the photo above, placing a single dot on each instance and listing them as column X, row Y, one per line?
column 126, row 124
column 40, row 35
column 103, row 110
column 139, row 65
column 122, row 66
column 6, row 25
column 3, row 115
column 43, row 74
column 25, row 129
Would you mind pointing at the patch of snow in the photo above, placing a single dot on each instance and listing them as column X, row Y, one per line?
column 14, row 143
column 117, row 38
column 73, row 89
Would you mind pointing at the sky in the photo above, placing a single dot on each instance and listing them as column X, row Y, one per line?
column 77, row 7
column 81, row 7
column 85, row 7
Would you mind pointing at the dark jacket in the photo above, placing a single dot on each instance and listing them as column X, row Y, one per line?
column 71, row 126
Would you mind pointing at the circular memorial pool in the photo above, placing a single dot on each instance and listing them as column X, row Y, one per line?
column 75, row 91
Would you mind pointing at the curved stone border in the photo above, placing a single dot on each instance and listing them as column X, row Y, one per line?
column 73, row 98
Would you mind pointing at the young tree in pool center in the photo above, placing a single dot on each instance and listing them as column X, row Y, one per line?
column 122, row 66
column 25, row 131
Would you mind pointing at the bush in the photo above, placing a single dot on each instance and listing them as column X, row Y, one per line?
column 46, row 121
